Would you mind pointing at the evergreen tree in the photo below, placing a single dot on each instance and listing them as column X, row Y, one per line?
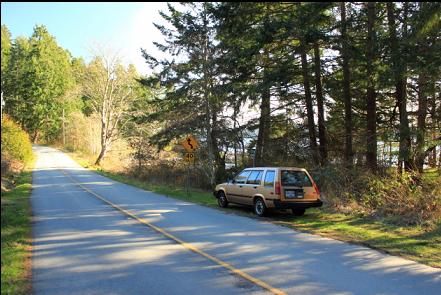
column 371, row 118
column 38, row 75
column 5, row 51
column 191, row 103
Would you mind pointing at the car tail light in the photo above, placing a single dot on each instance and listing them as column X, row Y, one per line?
column 316, row 188
column 278, row 189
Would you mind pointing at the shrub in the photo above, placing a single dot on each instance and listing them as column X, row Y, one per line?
column 404, row 199
column 15, row 142
column 415, row 202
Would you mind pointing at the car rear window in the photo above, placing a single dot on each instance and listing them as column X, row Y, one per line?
column 295, row 178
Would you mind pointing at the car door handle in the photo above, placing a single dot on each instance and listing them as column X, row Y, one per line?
column 255, row 186
column 240, row 186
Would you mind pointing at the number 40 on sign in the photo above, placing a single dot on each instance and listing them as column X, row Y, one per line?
column 189, row 157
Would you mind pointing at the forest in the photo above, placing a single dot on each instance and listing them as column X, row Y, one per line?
column 349, row 90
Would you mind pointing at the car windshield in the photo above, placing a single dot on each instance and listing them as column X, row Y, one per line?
column 295, row 178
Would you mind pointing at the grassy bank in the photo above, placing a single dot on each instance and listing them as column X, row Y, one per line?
column 16, row 237
column 416, row 243
column 421, row 244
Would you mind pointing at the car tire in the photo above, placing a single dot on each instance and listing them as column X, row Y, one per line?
column 222, row 199
column 298, row 211
column 259, row 207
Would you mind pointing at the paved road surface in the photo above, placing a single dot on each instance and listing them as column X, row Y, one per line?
column 84, row 246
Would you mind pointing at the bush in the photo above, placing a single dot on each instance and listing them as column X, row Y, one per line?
column 404, row 199
column 15, row 142
column 415, row 202
column 173, row 173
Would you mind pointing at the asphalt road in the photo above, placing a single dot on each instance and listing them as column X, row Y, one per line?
column 81, row 245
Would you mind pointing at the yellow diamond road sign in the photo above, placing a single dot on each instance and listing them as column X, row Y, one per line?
column 190, row 144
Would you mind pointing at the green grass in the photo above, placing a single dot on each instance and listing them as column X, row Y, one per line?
column 193, row 195
column 421, row 244
column 431, row 174
column 412, row 242
column 16, row 236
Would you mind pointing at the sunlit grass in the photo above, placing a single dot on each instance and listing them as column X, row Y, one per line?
column 431, row 174
column 192, row 195
column 413, row 242
column 16, row 236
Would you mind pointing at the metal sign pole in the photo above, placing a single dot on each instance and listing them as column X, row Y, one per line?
column 188, row 180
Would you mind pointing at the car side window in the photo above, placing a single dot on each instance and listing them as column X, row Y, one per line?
column 255, row 177
column 269, row 178
column 242, row 177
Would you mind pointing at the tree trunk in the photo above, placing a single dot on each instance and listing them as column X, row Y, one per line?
column 101, row 155
column 424, row 87
column 321, row 113
column 390, row 153
column 371, row 130
column 439, row 162
column 234, row 128
column 220, row 161
column 400, row 90
column 433, row 115
column 264, row 129
column 104, row 142
column 309, row 108
column 432, row 158
column 421, row 121
column 286, row 139
column 210, row 118
column 349, row 154
column 35, row 136
column 242, row 145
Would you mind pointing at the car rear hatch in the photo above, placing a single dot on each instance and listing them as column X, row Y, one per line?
column 297, row 186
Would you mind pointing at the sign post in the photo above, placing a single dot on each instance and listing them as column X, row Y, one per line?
column 253, row 155
column 190, row 144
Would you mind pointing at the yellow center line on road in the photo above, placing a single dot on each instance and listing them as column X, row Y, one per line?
column 188, row 246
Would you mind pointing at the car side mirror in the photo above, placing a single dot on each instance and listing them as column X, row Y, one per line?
column 230, row 180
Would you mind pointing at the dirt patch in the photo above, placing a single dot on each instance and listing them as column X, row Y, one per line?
column 9, row 170
column 9, row 166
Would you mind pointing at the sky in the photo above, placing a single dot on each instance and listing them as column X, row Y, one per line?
column 79, row 27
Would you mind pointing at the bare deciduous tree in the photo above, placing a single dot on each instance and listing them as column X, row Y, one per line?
column 109, row 87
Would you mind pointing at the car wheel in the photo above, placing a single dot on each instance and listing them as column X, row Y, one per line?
column 259, row 207
column 298, row 211
column 222, row 199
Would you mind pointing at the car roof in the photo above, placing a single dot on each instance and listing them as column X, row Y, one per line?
column 281, row 168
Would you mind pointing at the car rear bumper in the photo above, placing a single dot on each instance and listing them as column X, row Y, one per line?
column 293, row 205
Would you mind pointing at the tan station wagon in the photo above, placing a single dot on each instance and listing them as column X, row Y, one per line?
column 271, row 187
